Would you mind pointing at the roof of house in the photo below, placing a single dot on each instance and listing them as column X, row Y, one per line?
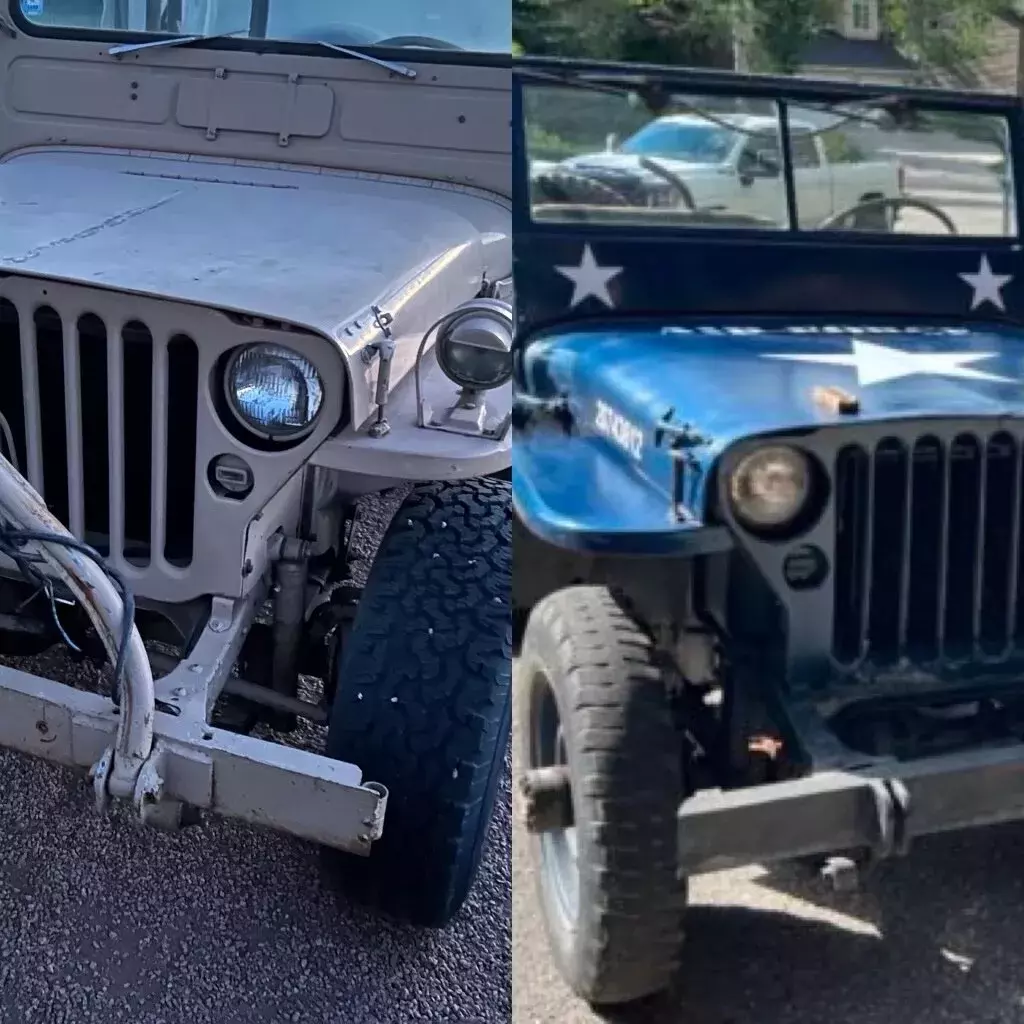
column 830, row 49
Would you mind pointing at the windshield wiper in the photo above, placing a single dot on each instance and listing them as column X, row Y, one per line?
column 389, row 65
column 159, row 44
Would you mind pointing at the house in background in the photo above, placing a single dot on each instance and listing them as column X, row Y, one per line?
column 857, row 49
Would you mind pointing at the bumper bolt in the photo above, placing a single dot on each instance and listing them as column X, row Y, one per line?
column 842, row 874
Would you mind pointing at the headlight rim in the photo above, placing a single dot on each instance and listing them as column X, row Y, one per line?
column 803, row 514
column 445, row 337
column 277, row 438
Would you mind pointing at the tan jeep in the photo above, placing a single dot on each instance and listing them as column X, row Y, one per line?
column 245, row 281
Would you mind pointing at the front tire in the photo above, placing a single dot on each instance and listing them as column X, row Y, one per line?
column 593, row 698
column 424, row 696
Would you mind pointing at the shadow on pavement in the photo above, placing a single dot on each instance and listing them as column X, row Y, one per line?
column 935, row 938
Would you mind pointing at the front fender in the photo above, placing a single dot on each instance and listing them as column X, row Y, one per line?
column 573, row 493
column 410, row 452
column 601, row 465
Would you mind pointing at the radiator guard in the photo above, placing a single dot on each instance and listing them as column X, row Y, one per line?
column 922, row 530
column 122, row 458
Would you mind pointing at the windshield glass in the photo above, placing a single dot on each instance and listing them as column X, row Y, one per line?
column 696, row 143
column 471, row 25
column 718, row 162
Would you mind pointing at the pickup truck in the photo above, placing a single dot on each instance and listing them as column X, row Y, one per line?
column 732, row 164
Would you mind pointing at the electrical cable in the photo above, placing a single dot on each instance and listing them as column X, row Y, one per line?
column 12, row 543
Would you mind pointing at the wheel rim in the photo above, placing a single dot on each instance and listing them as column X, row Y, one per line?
column 559, row 874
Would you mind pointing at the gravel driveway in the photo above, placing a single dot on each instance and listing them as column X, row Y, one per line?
column 935, row 939
column 102, row 921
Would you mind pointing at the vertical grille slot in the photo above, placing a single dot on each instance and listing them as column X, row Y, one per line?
column 890, row 547
column 928, row 550
column 12, row 388
column 1002, row 482
column 852, row 490
column 182, row 409
column 965, row 489
column 49, row 331
column 928, row 493
column 92, row 375
column 137, row 396
column 103, row 420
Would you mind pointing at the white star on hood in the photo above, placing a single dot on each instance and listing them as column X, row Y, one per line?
column 589, row 279
column 876, row 364
column 988, row 287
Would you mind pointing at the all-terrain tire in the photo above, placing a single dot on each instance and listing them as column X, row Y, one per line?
column 621, row 744
column 424, row 696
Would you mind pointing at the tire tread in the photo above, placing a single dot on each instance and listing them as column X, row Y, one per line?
column 628, row 775
column 424, row 690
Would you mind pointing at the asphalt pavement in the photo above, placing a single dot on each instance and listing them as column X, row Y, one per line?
column 103, row 921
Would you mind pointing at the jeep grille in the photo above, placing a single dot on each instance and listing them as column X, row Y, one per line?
column 928, row 554
column 103, row 415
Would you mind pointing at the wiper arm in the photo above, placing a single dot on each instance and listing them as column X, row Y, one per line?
column 389, row 65
column 158, row 44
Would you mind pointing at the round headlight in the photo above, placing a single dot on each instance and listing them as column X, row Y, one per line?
column 770, row 487
column 475, row 349
column 274, row 392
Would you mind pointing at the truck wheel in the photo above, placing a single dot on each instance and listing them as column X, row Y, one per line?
column 424, row 696
column 593, row 698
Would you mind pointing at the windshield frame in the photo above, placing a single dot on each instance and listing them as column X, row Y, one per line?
column 554, row 72
column 256, row 42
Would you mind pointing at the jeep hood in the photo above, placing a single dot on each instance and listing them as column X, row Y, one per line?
column 293, row 245
column 720, row 384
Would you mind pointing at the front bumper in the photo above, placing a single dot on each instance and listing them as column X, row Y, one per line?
column 837, row 811
column 195, row 765
column 189, row 764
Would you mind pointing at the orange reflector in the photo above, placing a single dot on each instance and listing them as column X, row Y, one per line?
column 836, row 400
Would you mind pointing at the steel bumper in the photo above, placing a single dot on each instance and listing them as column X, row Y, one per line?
column 195, row 765
column 880, row 809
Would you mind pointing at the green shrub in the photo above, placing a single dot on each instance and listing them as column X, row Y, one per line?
column 841, row 149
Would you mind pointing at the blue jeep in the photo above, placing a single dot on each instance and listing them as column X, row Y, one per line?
column 768, row 468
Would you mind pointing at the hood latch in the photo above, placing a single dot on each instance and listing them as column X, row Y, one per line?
column 384, row 346
column 681, row 439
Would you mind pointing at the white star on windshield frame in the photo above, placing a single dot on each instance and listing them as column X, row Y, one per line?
column 988, row 286
column 877, row 364
column 590, row 279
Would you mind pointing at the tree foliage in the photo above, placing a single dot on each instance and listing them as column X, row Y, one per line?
column 776, row 33
column 944, row 35
column 686, row 32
